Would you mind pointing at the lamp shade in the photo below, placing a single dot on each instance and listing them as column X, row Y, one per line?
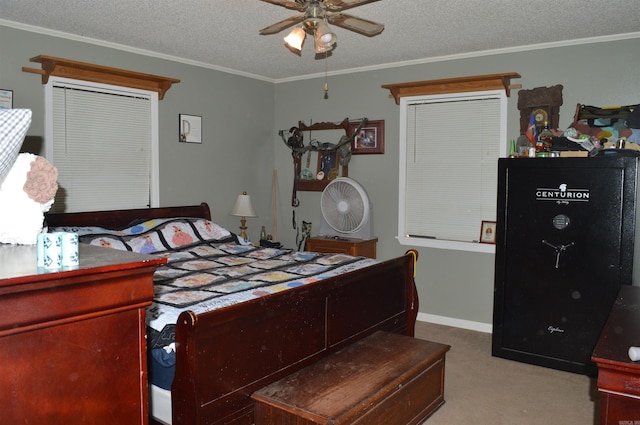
column 324, row 39
column 324, row 34
column 321, row 47
column 243, row 207
column 296, row 38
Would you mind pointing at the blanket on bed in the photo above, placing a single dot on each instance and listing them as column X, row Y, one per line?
column 209, row 269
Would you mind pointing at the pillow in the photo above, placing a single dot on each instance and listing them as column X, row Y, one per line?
column 14, row 124
column 134, row 228
column 157, row 235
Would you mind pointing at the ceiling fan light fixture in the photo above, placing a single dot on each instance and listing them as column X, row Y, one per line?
column 295, row 38
column 324, row 34
column 321, row 47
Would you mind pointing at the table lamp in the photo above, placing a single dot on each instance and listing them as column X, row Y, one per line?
column 244, row 209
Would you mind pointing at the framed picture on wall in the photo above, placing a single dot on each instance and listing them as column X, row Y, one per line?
column 327, row 165
column 190, row 128
column 370, row 138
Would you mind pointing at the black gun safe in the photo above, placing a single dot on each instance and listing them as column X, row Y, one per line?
column 564, row 244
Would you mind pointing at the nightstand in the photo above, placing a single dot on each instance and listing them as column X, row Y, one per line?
column 350, row 246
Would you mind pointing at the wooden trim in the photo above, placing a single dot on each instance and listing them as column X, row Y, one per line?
column 344, row 125
column 119, row 219
column 454, row 85
column 59, row 67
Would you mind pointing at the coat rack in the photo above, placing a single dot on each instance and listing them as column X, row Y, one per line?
column 298, row 149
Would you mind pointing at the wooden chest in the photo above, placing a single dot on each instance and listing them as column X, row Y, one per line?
column 385, row 378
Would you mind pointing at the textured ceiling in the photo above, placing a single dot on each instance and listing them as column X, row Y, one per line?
column 224, row 34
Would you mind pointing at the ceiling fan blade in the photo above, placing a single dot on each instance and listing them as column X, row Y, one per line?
column 279, row 26
column 293, row 5
column 359, row 25
column 338, row 5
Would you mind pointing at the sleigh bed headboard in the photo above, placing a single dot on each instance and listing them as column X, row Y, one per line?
column 118, row 219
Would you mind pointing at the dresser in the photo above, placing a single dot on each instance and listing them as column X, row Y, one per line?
column 618, row 376
column 350, row 246
column 72, row 341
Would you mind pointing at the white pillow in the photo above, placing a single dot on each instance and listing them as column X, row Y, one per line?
column 14, row 124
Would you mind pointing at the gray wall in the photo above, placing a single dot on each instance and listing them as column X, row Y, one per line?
column 451, row 284
column 241, row 149
column 237, row 121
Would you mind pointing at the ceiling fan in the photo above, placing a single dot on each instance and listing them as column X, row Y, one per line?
column 316, row 15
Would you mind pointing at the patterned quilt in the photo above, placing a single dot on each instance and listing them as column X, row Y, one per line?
column 208, row 268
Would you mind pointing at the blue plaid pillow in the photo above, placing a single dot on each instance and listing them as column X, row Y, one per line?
column 14, row 124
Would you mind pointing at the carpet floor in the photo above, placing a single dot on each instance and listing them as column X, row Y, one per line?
column 481, row 389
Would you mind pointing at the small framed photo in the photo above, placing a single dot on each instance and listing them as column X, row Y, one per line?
column 370, row 138
column 488, row 232
column 190, row 128
column 6, row 99
column 327, row 165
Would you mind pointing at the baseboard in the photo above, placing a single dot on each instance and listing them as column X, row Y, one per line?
column 456, row 323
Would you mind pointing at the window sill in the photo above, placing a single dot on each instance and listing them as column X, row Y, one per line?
column 451, row 245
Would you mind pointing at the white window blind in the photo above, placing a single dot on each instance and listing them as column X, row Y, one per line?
column 450, row 145
column 102, row 147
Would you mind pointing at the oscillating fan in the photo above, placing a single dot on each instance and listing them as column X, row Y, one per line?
column 346, row 210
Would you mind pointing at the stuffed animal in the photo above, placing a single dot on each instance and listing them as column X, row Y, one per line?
column 26, row 193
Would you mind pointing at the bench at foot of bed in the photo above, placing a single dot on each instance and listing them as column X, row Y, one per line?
column 385, row 378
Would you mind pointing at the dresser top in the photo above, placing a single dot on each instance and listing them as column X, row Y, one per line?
column 18, row 263
column 622, row 329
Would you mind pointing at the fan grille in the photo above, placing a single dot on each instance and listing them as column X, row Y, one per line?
column 344, row 205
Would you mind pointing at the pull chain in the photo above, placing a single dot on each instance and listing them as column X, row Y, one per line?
column 326, row 82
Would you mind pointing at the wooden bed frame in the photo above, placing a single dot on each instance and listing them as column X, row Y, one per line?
column 223, row 356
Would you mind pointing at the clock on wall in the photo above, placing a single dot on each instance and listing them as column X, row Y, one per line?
column 541, row 116
column 544, row 103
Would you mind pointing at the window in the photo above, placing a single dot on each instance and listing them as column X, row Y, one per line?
column 449, row 150
column 104, row 142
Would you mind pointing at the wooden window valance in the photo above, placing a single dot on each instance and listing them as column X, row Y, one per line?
column 454, row 85
column 58, row 67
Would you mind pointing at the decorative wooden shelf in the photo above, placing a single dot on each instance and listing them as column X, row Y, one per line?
column 344, row 125
column 318, row 185
column 59, row 67
column 454, row 85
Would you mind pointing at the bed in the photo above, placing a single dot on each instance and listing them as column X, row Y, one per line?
column 224, row 354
